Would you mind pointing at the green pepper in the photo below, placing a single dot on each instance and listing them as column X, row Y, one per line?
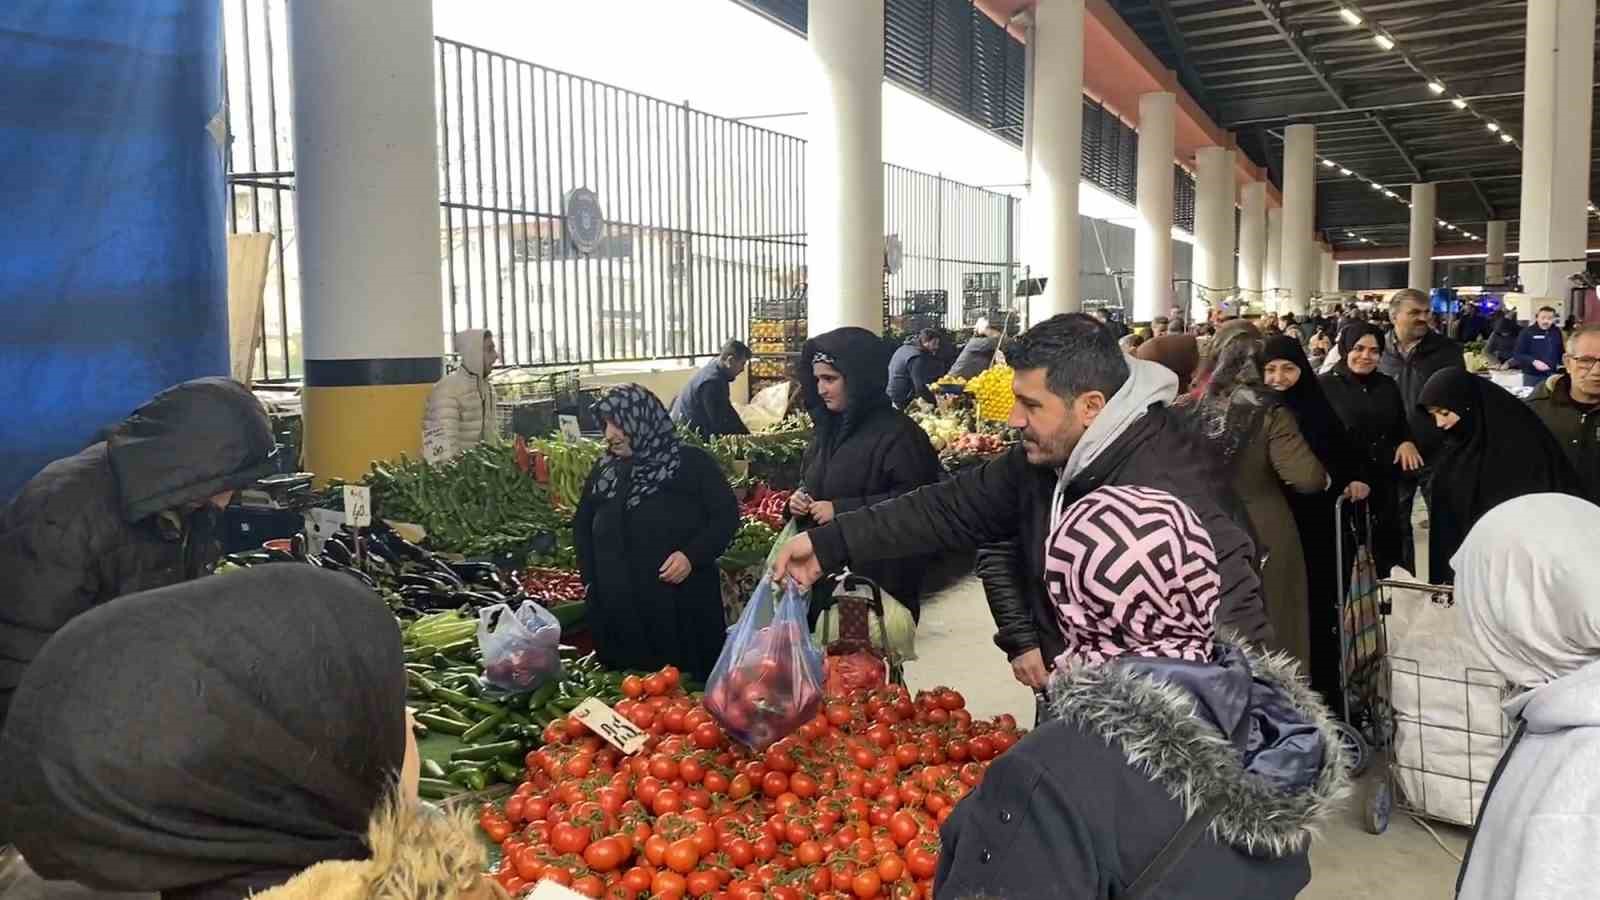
column 486, row 751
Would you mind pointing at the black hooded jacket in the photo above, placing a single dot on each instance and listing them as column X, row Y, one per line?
column 869, row 453
column 113, row 519
column 705, row 404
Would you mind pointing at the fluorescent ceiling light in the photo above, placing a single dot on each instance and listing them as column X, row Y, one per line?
column 1329, row 163
column 1505, row 138
column 1443, row 224
column 1349, row 234
column 1383, row 41
column 1343, row 171
column 1459, row 103
column 1436, row 86
column 1493, row 127
column 1350, row 16
column 1376, row 186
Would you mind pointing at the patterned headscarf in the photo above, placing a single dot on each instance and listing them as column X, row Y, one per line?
column 645, row 421
column 1132, row 572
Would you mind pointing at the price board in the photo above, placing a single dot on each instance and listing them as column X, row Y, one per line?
column 604, row 721
column 357, row 506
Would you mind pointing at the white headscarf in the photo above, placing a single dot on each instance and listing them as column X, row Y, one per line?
column 1528, row 576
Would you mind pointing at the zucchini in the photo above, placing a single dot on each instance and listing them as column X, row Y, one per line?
column 486, row 751
column 431, row 769
column 440, row 723
column 469, row 778
column 510, row 773
column 475, row 733
column 437, row 788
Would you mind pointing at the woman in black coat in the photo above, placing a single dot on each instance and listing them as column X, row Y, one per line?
column 863, row 451
column 1375, row 420
column 1495, row 449
column 654, row 518
column 1286, row 370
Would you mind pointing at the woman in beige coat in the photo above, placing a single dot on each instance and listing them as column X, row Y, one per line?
column 1261, row 451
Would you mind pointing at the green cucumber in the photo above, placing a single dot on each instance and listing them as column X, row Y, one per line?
column 431, row 769
column 437, row 788
column 486, row 751
column 470, row 778
column 475, row 733
column 440, row 723
column 509, row 772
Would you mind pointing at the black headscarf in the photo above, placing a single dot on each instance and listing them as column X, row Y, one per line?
column 1319, row 424
column 210, row 739
column 1498, row 451
column 655, row 460
column 863, row 360
column 1349, row 335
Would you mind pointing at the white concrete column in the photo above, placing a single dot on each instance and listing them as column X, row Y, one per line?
column 1252, row 240
column 1557, row 110
column 1299, row 267
column 1424, row 203
column 1213, row 224
column 367, row 209
column 1272, row 271
column 1055, row 126
column 844, row 166
column 1494, row 265
column 1152, row 240
column 1330, row 272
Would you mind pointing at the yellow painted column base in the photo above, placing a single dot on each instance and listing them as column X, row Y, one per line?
column 346, row 429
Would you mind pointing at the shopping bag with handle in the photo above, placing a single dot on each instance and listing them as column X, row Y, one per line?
column 768, row 679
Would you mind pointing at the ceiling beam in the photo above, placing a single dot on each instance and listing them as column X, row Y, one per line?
column 1180, row 49
column 1399, row 148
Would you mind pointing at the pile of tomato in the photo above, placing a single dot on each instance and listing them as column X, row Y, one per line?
column 848, row 806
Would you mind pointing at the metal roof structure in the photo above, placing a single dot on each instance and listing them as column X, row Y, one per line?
column 1401, row 91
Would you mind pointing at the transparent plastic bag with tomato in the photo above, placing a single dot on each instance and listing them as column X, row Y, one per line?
column 521, row 650
column 850, row 674
column 768, row 680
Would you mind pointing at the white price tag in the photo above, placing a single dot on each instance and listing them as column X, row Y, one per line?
column 570, row 429
column 550, row 890
column 357, row 506
column 604, row 721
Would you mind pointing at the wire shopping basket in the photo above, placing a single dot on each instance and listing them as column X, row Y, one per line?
column 1437, row 725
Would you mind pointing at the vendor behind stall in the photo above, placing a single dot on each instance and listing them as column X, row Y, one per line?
column 863, row 450
column 705, row 404
column 978, row 352
column 135, row 511
column 654, row 517
column 460, row 410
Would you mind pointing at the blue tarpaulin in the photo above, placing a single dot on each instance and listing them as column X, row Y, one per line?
column 113, row 261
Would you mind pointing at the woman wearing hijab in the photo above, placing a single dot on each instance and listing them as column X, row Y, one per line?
column 655, row 516
column 1495, row 449
column 1168, row 742
column 1502, row 343
column 244, row 735
column 1528, row 595
column 1178, row 352
column 1375, row 421
column 1257, row 443
column 863, row 450
column 1286, row 369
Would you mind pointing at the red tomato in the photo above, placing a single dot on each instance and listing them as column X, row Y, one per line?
column 604, row 855
column 668, row 885
column 774, row 783
column 589, row 886
column 654, row 685
column 922, row 862
column 682, row 856
column 569, row 838
column 702, row 883
column 866, row 884
column 637, row 879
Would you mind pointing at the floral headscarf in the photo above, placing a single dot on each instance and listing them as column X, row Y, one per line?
column 656, row 456
column 1131, row 571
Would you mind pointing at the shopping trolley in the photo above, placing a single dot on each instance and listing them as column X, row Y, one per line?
column 1371, row 720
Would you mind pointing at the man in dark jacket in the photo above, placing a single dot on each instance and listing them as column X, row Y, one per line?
column 977, row 354
column 1570, row 405
column 705, row 404
column 133, row 512
column 1539, row 349
column 914, row 366
column 1090, row 416
column 1412, row 353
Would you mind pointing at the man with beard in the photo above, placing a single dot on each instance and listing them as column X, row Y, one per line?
column 1090, row 416
column 1413, row 351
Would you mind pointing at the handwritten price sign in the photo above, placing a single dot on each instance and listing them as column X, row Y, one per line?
column 604, row 721
column 357, row 506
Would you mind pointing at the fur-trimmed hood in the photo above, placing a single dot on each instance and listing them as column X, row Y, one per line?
column 1197, row 729
column 418, row 853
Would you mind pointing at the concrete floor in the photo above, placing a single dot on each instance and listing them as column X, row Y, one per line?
column 954, row 647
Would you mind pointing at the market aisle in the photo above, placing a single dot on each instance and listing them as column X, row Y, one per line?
column 954, row 647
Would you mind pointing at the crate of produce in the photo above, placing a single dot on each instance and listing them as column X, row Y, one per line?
column 774, row 367
column 786, row 308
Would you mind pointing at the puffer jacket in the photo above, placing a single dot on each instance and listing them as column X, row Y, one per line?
column 114, row 519
column 1083, row 804
column 1576, row 428
column 461, row 410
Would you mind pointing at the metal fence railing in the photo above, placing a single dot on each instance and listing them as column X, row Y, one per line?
column 701, row 215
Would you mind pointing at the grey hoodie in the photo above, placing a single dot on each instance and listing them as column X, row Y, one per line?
column 1147, row 383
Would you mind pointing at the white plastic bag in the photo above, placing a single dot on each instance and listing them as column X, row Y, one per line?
column 521, row 650
column 767, row 407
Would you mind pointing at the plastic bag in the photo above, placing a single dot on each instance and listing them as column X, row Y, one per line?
column 768, row 679
column 521, row 651
column 767, row 408
column 789, row 531
column 848, row 674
